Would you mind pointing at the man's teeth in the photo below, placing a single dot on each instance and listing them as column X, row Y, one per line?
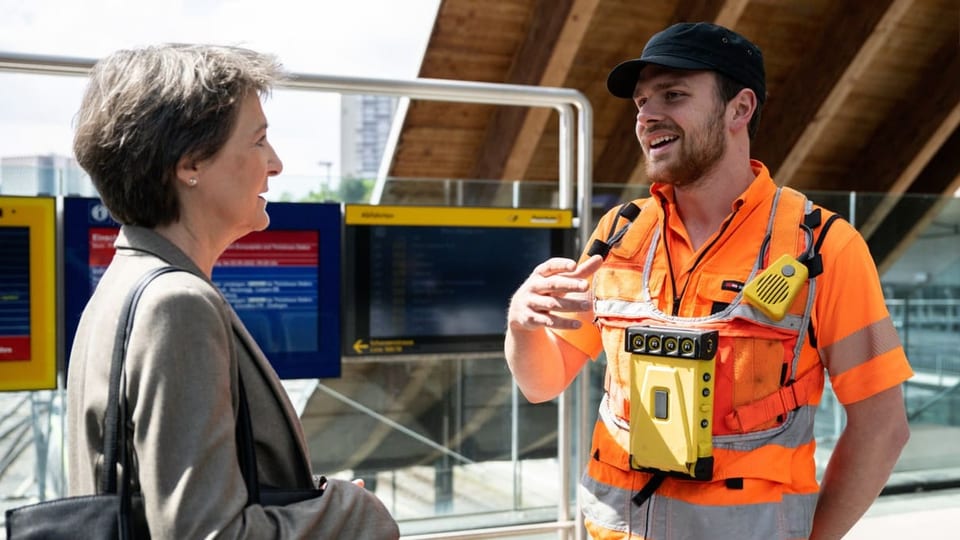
column 660, row 140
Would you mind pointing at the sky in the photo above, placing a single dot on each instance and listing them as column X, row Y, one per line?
column 355, row 38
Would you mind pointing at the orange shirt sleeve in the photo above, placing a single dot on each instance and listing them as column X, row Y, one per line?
column 856, row 338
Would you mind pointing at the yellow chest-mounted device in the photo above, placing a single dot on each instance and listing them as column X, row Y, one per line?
column 671, row 399
column 774, row 290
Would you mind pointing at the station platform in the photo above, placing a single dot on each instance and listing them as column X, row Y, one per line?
column 929, row 515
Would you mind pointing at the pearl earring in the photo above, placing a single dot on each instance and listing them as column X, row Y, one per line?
column 192, row 182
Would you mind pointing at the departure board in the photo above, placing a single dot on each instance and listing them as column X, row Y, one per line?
column 14, row 294
column 438, row 280
column 283, row 282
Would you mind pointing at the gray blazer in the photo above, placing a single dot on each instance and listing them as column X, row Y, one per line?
column 185, row 351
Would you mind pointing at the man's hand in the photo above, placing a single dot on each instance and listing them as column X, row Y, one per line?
column 542, row 364
column 556, row 286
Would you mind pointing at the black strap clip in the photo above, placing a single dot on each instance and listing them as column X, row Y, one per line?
column 628, row 211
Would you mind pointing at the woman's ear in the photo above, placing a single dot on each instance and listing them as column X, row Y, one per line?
column 187, row 170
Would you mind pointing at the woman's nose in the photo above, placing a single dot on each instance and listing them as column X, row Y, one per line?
column 276, row 166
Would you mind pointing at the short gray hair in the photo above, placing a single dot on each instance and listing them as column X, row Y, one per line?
column 145, row 109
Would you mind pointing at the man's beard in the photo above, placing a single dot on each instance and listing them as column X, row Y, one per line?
column 697, row 156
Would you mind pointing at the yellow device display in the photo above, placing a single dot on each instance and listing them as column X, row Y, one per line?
column 671, row 399
column 774, row 290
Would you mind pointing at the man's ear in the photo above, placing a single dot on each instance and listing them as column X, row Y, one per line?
column 741, row 109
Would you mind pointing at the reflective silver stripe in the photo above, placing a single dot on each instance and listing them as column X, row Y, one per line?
column 646, row 310
column 804, row 328
column 611, row 420
column 648, row 265
column 860, row 346
column 662, row 518
column 794, row 432
column 773, row 210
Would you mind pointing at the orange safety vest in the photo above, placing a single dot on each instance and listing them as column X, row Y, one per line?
column 767, row 384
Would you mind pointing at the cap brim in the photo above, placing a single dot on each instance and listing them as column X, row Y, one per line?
column 622, row 80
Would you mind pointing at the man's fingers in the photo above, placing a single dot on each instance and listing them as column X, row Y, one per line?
column 588, row 267
column 572, row 303
column 555, row 265
column 556, row 286
column 535, row 319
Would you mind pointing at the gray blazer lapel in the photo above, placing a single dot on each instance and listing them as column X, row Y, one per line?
column 269, row 376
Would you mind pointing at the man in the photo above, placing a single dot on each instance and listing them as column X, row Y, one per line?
column 719, row 444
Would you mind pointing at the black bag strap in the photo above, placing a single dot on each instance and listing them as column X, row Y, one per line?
column 116, row 448
column 247, row 458
column 246, row 453
column 114, row 437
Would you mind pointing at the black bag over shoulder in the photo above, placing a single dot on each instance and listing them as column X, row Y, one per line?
column 117, row 511
column 85, row 517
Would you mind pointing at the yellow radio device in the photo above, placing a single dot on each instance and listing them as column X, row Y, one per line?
column 671, row 399
column 774, row 290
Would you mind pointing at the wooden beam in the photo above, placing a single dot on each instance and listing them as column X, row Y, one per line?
column 528, row 66
column 847, row 82
column 847, row 27
column 622, row 151
column 914, row 214
column 544, row 58
column 558, row 69
column 906, row 142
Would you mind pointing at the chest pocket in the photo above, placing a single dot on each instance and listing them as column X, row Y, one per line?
column 716, row 291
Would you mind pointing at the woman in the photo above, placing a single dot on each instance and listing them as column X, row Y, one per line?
column 174, row 139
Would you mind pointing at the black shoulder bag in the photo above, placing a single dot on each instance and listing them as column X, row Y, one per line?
column 117, row 511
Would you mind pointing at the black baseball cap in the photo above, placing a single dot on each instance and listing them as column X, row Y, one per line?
column 702, row 46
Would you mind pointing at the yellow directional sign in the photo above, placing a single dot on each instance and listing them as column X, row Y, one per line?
column 381, row 346
column 545, row 218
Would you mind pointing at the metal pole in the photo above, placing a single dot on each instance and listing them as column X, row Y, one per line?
column 514, row 443
column 853, row 208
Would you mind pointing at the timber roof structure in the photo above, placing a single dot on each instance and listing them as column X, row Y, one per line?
column 862, row 96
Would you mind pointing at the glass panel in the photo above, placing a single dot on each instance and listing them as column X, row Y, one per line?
column 438, row 438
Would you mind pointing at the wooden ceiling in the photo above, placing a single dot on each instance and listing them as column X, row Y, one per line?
column 863, row 96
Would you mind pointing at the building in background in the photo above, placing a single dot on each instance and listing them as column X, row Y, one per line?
column 50, row 174
column 364, row 125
